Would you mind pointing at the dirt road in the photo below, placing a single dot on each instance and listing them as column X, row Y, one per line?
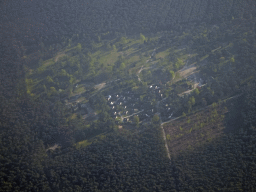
column 164, row 136
column 166, row 146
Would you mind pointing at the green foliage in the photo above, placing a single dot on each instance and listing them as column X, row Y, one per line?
column 123, row 40
column 142, row 37
column 79, row 47
column 172, row 74
column 232, row 60
column 155, row 119
column 45, row 88
column 72, row 79
column 122, row 66
column 136, row 120
column 214, row 105
column 63, row 73
column 49, row 79
column 179, row 63
column 52, row 91
column 82, row 144
column 192, row 101
column 196, row 91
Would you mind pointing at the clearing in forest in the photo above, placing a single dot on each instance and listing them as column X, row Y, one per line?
column 192, row 131
column 187, row 70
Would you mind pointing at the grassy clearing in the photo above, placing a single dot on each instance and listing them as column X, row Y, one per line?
column 82, row 144
column 46, row 64
column 107, row 58
column 94, row 139
column 69, row 49
column 133, row 59
column 74, row 116
column 111, row 57
column 134, row 54
column 80, row 90
column 163, row 54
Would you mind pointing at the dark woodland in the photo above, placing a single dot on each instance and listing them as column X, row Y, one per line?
column 212, row 144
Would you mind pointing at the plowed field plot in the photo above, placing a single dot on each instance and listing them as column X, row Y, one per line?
column 189, row 132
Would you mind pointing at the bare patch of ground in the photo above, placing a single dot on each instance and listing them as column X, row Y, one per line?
column 55, row 146
column 188, row 70
column 189, row 91
column 100, row 86
column 189, row 132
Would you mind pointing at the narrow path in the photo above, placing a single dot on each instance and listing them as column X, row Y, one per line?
column 138, row 74
column 134, row 113
column 164, row 136
column 141, row 69
column 166, row 146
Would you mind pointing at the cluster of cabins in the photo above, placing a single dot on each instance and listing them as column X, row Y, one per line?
column 166, row 111
column 126, row 104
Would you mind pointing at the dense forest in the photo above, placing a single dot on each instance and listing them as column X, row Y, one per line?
column 53, row 20
column 50, row 48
